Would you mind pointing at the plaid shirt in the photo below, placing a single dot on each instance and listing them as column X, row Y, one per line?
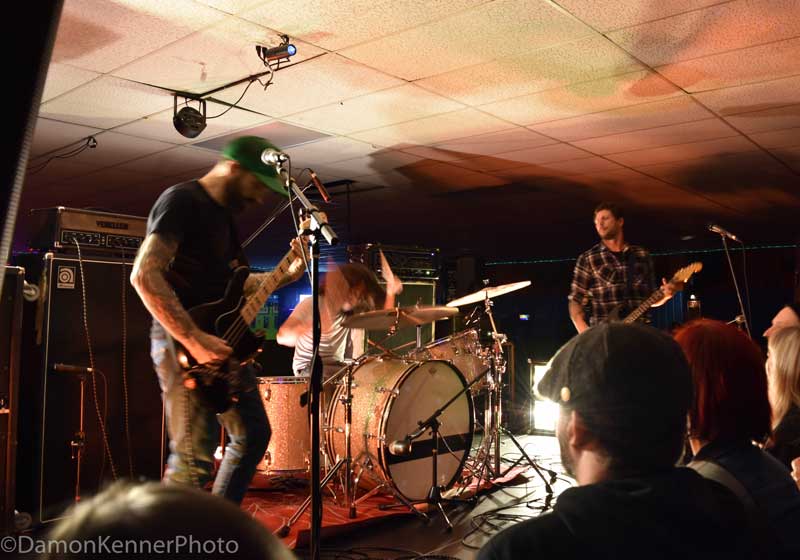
column 601, row 279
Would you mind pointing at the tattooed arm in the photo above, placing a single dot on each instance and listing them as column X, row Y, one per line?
column 160, row 300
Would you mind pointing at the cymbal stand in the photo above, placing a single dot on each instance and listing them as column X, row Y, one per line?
column 346, row 461
column 488, row 456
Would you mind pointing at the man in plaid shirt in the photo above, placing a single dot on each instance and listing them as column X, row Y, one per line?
column 601, row 273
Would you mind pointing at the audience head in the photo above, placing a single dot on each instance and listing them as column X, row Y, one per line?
column 630, row 389
column 783, row 371
column 730, row 383
column 788, row 316
column 205, row 526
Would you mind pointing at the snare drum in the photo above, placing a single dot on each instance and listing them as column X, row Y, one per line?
column 389, row 397
column 288, row 451
column 464, row 351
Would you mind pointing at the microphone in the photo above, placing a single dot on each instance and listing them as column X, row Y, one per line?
column 400, row 446
column 69, row 368
column 274, row 157
column 320, row 187
column 722, row 231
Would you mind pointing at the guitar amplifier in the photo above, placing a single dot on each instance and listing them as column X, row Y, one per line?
column 408, row 263
column 59, row 228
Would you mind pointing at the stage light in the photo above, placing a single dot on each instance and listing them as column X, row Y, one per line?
column 284, row 50
column 543, row 413
column 189, row 122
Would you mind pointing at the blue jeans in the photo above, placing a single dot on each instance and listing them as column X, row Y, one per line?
column 194, row 429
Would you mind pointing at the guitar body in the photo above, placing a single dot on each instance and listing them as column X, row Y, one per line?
column 217, row 385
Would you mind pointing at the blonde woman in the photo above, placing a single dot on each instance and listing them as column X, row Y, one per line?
column 783, row 374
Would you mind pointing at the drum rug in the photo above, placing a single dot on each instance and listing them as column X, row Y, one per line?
column 272, row 501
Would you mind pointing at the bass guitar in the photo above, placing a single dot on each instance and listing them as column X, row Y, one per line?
column 218, row 384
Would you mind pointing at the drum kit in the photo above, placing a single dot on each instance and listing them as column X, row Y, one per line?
column 401, row 423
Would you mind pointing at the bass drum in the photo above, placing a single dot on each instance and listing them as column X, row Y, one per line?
column 389, row 397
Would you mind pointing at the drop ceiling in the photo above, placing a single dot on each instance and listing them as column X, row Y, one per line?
column 486, row 126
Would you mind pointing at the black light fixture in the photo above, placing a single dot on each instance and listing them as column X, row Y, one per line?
column 189, row 122
column 281, row 52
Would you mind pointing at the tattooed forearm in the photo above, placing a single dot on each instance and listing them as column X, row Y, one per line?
column 148, row 278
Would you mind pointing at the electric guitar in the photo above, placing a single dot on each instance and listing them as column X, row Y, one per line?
column 677, row 281
column 218, row 384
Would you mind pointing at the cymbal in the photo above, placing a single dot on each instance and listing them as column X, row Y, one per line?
column 399, row 316
column 488, row 292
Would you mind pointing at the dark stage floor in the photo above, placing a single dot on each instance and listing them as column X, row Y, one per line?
column 409, row 537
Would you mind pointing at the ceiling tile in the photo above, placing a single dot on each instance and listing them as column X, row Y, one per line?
column 438, row 128
column 684, row 151
column 62, row 78
column 787, row 138
column 231, row 6
column 331, row 149
column 494, row 30
column 385, row 160
column 101, row 35
column 173, row 161
column 56, row 170
column 756, row 64
column 440, row 176
column 374, row 110
column 617, row 121
column 159, row 126
column 52, row 135
column 766, row 120
column 588, row 59
column 605, row 15
column 544, row 154
column 211, row 58
column 706, row 129
column 752, row 97
column 114, row 148
column 330, row 23
column 106, row 103
column 579, row 99
column 482, row 144
column 714, row 29
column 314, row 83
column 581, row 166
column 386, row 179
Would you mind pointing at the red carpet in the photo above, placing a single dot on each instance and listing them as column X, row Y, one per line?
column 273, row 501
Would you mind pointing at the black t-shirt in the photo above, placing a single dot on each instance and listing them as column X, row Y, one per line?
column 208, row 243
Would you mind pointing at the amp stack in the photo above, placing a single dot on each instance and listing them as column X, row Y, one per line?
column 90, row 406
column 419, row 271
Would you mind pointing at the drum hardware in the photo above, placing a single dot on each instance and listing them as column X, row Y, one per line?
column 346, row 462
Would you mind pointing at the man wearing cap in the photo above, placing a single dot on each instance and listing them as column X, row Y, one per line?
column 613, row 275
column 187, row 259
column 624, row 392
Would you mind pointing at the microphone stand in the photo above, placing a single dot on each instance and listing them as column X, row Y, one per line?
column 318, row 227
column 736, row 284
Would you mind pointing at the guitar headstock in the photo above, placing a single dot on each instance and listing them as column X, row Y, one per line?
column 686, row 272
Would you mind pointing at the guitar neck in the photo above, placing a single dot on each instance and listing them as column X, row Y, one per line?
column 268, row 285
column 644, row 306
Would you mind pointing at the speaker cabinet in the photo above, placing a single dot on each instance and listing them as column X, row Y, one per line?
column 10, row 329
column 85, row 427
column 414, row 292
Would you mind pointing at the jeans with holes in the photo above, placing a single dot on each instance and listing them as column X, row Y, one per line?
column 194, row 429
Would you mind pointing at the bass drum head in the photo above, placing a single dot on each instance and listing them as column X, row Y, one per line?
column 420, row 392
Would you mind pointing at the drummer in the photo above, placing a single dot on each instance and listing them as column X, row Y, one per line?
column 345, row 290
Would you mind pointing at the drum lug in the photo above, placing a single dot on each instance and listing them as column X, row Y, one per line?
column 267, row 458
column 394, row 392
column 267, row 394
column 381, row 439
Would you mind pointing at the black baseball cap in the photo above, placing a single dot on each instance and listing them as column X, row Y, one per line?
column 620, row 367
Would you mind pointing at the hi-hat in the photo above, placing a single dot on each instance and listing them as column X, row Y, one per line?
column 399, row 317
column 488, row 293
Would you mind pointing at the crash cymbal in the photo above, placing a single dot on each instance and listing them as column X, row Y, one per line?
column 488, row 292
column 399, row 316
